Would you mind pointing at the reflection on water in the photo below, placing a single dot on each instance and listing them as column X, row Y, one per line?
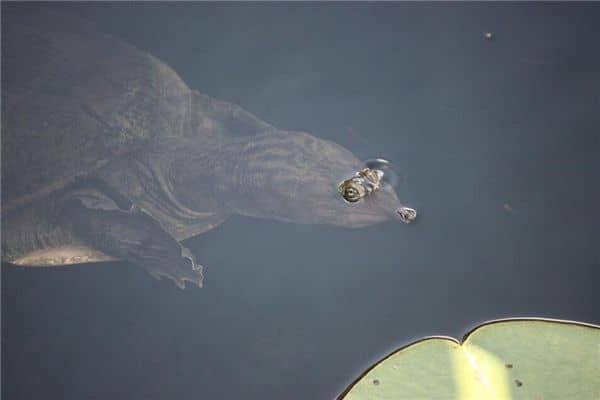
column 495, row 135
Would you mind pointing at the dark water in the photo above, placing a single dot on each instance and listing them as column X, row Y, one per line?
column 497, row 141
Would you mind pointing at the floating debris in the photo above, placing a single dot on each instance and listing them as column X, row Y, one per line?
column 375, row 382
column 518, row 383
column 488, row 35
column 507, row 207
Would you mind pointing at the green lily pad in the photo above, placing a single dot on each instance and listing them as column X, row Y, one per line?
column 528, row 359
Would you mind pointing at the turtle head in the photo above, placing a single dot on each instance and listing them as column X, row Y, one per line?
column 296, row 177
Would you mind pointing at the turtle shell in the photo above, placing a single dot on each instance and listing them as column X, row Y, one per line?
column 74, row 98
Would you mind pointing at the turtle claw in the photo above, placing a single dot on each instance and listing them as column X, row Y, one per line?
column 187, row 253
column 155, row 275
column 184, row 270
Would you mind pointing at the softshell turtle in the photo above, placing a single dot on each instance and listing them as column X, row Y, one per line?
column 107, row 154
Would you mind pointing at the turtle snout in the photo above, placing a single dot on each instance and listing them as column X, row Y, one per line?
column 406, row 214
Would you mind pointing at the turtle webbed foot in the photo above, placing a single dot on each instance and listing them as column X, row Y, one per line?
column 133, row 235
column 183, row 270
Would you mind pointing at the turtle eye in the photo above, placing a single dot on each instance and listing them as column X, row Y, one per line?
column 351, row 191
column 351, row 194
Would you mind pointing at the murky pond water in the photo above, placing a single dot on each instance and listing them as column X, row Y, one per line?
column 495, row 143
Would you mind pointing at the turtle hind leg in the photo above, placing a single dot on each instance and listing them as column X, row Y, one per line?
column 136, row 237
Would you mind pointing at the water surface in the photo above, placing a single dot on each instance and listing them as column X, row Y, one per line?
column 497, row 143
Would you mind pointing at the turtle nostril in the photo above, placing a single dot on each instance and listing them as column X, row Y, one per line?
column 407, row 214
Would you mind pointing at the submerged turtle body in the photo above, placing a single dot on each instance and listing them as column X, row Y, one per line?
column 107, row 154
column 74, row 99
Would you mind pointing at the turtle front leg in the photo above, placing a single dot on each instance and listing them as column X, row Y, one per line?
column 136, row 237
